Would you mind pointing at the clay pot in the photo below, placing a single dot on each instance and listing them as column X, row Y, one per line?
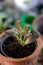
column 29, row 60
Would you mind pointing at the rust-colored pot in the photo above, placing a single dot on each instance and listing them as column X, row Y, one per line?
column 29, row 60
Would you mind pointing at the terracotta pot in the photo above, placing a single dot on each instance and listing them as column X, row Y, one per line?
column 29, row 60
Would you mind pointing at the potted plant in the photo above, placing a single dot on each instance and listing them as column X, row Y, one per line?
column 4, row 23
column 21, row 46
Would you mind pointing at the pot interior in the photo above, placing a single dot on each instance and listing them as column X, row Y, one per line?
column 11, row 48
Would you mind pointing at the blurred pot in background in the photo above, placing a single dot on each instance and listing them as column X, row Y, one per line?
column 38, row 24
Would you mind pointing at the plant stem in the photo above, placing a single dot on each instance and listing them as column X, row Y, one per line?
column 20, row 40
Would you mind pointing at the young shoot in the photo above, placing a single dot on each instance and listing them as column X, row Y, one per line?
column 23, row 34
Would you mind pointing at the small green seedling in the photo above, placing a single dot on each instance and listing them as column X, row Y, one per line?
column 23, row 34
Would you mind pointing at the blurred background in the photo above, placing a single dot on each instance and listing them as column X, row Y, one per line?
column 17, row 8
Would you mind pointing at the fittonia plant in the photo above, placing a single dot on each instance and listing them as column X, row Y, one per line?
column 4, row 22
column 23, row 35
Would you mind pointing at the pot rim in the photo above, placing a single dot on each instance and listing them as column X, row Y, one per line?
column 2, row 44
column 28, row 58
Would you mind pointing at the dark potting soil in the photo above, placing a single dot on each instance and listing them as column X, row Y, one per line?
column 12, row 48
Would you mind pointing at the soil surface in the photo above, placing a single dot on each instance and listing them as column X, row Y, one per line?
column 12, row 48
